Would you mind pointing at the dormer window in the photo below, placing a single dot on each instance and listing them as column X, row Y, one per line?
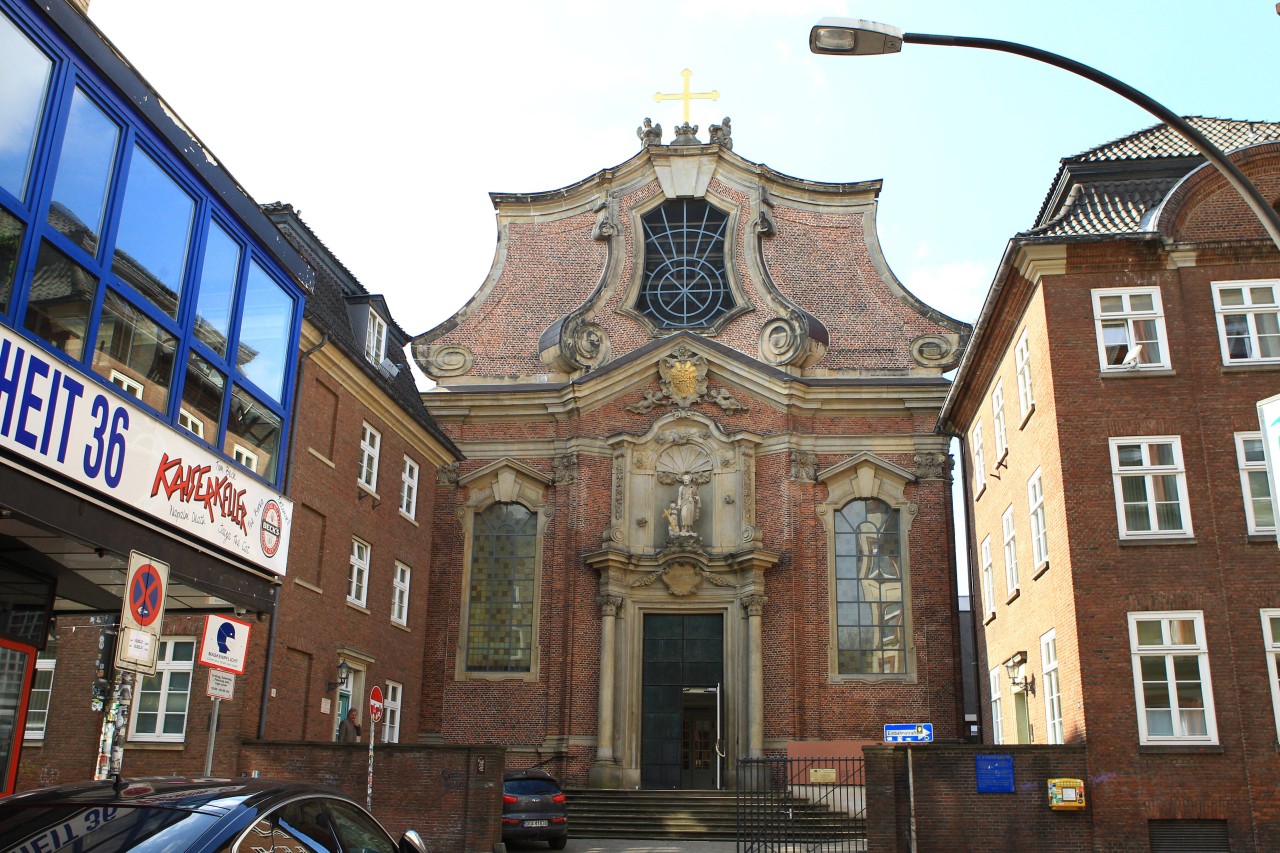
column 375, row 338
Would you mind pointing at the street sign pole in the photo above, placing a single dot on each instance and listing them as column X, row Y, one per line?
column 375, row 717
column 213, row 733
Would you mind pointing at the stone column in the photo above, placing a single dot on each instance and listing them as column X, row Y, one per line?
column 604, row 773
column 754, row 607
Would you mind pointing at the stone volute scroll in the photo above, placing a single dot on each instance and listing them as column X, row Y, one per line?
column 798, row 339
column 575, row 343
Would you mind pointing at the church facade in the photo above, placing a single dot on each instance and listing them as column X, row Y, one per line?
column 703, row 512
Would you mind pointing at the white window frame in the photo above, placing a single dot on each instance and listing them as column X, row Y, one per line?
column 32, row 731
column 1250, row 309
column 245, row 457
column 988, row 578
column 358, row 572
column 997, row 421
column 1039, row 528
column 127, row 384
column 400, row 593
column 1249, row 472
column 1271, row 645
column 1052, row 687
column 370, row 448
column 1168, row 650
column 190, row 422
column 997, row 724
column 409, row 488
column 1009, row 529
column 1149, row 471
column 978, row 453
column 166, row 668
column 391, row 712
column 1026, row 392
column 375, row 339
column 1130, row 315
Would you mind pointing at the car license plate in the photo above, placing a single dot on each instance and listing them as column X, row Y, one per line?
column 535, row 823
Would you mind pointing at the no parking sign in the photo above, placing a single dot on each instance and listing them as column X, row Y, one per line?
column 142, row 614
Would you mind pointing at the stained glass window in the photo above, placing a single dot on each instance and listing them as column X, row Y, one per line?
column 503, row 556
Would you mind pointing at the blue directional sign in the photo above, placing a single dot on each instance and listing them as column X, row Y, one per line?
column 908, row 733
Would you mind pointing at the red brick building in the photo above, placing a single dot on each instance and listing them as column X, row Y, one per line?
column 1123, row 546
column 703, row 507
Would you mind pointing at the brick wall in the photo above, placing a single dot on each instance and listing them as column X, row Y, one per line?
column 951, row 815
column 452, row 795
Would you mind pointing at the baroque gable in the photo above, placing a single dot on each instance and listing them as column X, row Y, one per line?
column 786, row 271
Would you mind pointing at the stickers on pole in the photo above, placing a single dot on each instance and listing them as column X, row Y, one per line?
column 225, row 644
column 142, row 616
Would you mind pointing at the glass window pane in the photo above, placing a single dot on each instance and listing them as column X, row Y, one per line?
column 1253, row 450
column 264, row 332
column 25, row 72
column 1230, row 296
column 1161, row 454
column 1149, row 634
column 155, row 232
column 10, row 242
column 1261, row 296
column 217, row 289
column 61, row 301
column 1160, row 723
column 1111, row 304
column 1182, row 632
column 202, row 395
column 1129, row 455
column 183, row 651
column 84, row 173
column 132, row 344
column 253, row 426
column 1141, row 302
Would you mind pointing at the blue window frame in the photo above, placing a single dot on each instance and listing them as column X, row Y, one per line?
column 116, row 257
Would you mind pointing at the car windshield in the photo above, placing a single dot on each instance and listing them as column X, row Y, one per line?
column 99, row 829
column 529, row 787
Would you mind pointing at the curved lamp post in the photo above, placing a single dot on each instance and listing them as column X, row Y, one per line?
column 850, row 37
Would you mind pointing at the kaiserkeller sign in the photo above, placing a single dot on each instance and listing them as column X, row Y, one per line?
column 56, row 416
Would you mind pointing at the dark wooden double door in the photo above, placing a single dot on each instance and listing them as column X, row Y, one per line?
column 683, row 668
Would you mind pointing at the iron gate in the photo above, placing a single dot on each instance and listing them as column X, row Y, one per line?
column 801, row 804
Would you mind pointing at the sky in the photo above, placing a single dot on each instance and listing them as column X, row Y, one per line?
column 387, row 124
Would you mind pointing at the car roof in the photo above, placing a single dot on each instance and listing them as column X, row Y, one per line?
column 511, row 775
column 207, row 794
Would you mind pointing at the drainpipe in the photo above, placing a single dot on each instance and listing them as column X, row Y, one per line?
column 275, row 605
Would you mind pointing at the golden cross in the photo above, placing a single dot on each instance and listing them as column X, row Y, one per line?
column 686, row 95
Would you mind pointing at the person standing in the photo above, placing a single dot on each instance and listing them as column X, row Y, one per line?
column 349, row 728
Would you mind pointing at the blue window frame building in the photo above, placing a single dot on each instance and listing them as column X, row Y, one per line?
column 118, row 257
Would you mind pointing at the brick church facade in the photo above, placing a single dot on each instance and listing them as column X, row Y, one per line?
column 703, row 513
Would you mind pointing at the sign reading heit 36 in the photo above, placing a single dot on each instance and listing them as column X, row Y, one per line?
column 57, row 417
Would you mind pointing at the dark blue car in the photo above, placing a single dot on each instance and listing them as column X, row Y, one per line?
column 171, row 814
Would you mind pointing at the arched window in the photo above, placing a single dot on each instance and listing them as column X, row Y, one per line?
column 503, row 573
column 685, row 283
column 869, row 595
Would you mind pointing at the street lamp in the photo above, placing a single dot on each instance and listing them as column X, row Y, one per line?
column 850, row 37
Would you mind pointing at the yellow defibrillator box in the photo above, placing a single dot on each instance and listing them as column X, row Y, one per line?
column 1066, row 794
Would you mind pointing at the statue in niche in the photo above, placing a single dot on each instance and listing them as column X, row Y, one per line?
column 683, row 513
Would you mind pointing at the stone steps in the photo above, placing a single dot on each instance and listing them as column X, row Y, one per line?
column 693, row 815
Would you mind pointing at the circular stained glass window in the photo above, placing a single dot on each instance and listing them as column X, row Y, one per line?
column 685, row 285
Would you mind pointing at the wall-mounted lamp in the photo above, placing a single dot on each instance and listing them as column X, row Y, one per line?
column 1013, row 666
column 344, row 677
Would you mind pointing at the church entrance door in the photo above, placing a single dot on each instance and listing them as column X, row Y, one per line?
column 683, row 663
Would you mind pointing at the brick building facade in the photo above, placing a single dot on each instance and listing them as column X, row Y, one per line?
column 1123, row 545
column 703, row 508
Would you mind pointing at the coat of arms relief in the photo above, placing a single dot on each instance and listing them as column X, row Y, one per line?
column 682, row 382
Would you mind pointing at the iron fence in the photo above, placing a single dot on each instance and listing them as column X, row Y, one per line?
column 801, row 804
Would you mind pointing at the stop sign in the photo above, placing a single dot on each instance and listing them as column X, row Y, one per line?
column 375, row 704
